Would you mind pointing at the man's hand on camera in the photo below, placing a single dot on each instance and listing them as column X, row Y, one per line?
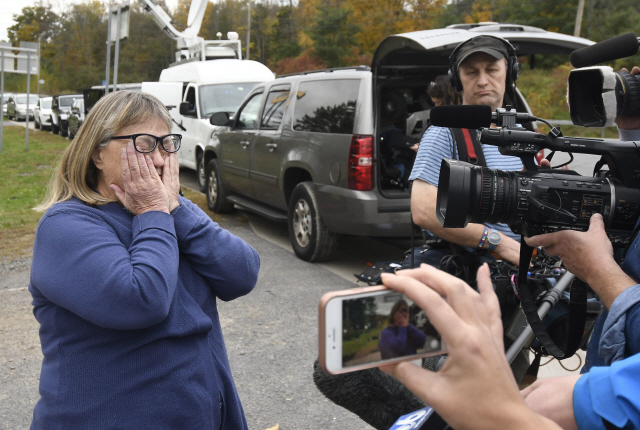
column 553, row 398
column 589, row 256
column 475, row 389
column 629, row 122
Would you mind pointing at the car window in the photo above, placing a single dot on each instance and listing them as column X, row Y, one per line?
column 45, row 104
column 326, row 106
column 22, row 100
column 191, row 98
column 274, row 108
column 66, row 101
column 248, row 116
column 223, row 97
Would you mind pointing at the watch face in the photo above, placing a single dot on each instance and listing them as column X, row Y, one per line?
column 494, row 238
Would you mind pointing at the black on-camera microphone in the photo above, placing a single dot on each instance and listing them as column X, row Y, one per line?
column 466, row 116
column 474, row 116
column 617, row 47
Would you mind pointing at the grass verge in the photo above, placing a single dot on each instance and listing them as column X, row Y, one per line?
column 25, row 175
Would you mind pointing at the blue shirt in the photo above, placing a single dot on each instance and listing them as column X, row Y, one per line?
column 610, row 390
column 611, row 393
column 128, row 321
column 437, row 144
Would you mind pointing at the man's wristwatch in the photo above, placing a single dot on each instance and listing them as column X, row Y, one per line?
column 494, row 240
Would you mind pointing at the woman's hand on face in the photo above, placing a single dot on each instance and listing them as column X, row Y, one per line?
column 171, row 179
column 143, row 188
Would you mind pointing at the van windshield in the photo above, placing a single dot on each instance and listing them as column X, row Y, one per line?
column 223, row 97
column 45, row 104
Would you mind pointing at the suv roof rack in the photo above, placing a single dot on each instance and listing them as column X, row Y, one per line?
column 360, row 68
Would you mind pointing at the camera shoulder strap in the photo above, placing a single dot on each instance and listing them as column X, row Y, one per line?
column 577, row 309
column 467, row 146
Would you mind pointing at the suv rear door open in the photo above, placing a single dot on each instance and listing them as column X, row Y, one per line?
column 409, row 61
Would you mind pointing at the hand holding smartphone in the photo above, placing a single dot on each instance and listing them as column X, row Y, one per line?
column 373, row 326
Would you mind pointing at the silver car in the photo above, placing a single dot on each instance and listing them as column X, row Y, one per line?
column 328, row 151
column 19, row 104
column 42, row 114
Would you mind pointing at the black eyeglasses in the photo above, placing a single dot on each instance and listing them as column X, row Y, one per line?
column 146, row 143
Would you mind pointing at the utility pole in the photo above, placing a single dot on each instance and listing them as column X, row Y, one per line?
column 115, row 61
column 106, row 85
column 248, row 28
column 576, row 32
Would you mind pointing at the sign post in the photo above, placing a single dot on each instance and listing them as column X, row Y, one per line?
column 8, row 63
column 118, row 28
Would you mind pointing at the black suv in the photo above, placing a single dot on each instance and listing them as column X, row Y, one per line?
column 60, row 108
column 328, row 151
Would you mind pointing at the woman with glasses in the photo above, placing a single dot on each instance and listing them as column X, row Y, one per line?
column 125, row 278
column 400, row 338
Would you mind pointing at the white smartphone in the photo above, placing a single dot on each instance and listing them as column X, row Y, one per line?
column 371, row 326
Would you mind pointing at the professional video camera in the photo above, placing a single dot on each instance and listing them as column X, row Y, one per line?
column 536, row 200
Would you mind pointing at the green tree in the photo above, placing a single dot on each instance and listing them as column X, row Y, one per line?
column 34, row 22
column 285, row 35
column 333, row 34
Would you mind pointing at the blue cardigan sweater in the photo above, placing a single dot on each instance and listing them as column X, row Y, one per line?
column 128, row 321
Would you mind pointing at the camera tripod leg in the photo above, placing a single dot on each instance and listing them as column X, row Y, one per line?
column 550, row 300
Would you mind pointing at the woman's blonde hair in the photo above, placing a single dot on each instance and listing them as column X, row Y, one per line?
column 391, row 322
column 76, row 175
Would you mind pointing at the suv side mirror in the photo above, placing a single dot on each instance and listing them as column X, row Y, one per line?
column 220, row 119
column 186, row 110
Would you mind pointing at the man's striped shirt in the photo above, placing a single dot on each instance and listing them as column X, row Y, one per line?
column 437, row 144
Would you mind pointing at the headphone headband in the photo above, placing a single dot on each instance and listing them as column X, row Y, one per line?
column 512, row 62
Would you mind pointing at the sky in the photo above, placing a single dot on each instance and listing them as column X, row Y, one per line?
column 8, row 8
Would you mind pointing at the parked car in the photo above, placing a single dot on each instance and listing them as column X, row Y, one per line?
column 42, row 113
column 5, row 98
column 18, row 104
column 76, row 117
column 60, row 108
column 312, row 149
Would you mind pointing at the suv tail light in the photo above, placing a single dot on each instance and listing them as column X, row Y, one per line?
column 360, row 176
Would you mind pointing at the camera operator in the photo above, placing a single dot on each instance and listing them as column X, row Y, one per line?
column 475, row 388
column 484, row 68
column 616, row 336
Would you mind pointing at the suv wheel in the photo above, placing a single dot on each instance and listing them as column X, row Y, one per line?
column 309, row 236
column 36, row 125
column 216, row 194
column 54, row 128
column 62, row 132
column 202, row 173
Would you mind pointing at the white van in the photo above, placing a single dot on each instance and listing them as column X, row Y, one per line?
column 194, row 90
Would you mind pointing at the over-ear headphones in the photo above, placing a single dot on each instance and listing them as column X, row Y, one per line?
column 512, row 63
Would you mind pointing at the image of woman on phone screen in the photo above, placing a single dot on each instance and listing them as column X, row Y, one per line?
column 400, row 338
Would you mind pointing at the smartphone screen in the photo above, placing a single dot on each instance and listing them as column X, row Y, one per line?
column 369, row 329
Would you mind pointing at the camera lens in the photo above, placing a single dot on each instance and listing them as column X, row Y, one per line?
column 468, row 193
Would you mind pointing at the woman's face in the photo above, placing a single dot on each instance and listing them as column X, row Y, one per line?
column 437, row 101
column 107, row 158
column 401, row 317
